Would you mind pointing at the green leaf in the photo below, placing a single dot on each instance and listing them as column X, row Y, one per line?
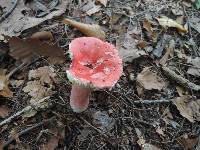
column 197, row 4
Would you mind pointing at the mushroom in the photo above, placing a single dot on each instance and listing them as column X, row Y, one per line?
column 95, row 65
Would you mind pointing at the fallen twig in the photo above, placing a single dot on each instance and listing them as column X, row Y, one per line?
column 15, row 70
column 36, row 106
column 27, row 130
column 179, row 79
column 4, row 16
column 28, row 108
column 152, row 101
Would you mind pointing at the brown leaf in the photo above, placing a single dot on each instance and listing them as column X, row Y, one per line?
column 169, row 52
column 36, row 89
column 150, row 80
column 91, row 8
column 195, row 23
column 128, row 50
column 4, row 89
column 43, row 35
column 25, row 49
column 141, row 44
column 159, row 130
column 18, row 22
column 188, row 107
column 181, row 91
column 2, row 142
column 4, row 111
column 188, row 142
column 45, row 74
column 142, row 143
column 93, row 30
column 151, row 34
column 103, row 2
column 195, row 68
column 51, row 144
column 167, row 22
column 57, row 134
column 148, row 146
column 167, row 116
column 16, row 83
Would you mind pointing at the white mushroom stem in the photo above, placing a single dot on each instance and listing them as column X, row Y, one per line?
column 79, row 99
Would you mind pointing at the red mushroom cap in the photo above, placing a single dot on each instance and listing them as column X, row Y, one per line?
column 95, row 63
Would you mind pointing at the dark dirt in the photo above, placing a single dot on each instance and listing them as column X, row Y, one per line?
column 82, row 131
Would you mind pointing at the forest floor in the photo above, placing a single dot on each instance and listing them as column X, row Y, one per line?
column 154, row 106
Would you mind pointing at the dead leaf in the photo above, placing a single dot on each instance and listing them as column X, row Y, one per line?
column 141, row 141
column 169, row 52
column 36, row 89
column 4, row 89
column 51, row 144
column 16, row 83
column 187, row 3
column 180, row 19
column 195, row 69
column 181, row 91
column 150, row 80
column 91, row 8
column 41, row 8
column 177, row 10
column 38, row 93
column 29, row 113
column 188, row 107
column 57, row 135
column 195, row 23
column 162, row 42
column 2, row 142
column 18, row 22
column 140, row 91
column 148, row 146
column 42, row 35
column 4, row 111
column 103, row 2
column 159, row 130
column 36, row 105
column 103, row 121
column 168, row 119
column 45, row 74
column 84, row 134
column 25, row 49
column 167, row 22
column 93, row 30
column 151, row 34
column 167, row 116
column 142, row 44
column 188, row 142
column 128, row 50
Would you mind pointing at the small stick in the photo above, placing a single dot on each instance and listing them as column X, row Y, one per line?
column 152, row 101
column 15, row 70
column 27, row 130
column 4, row 16
column 28, row 108
column 180, row 79
column 36, row 106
